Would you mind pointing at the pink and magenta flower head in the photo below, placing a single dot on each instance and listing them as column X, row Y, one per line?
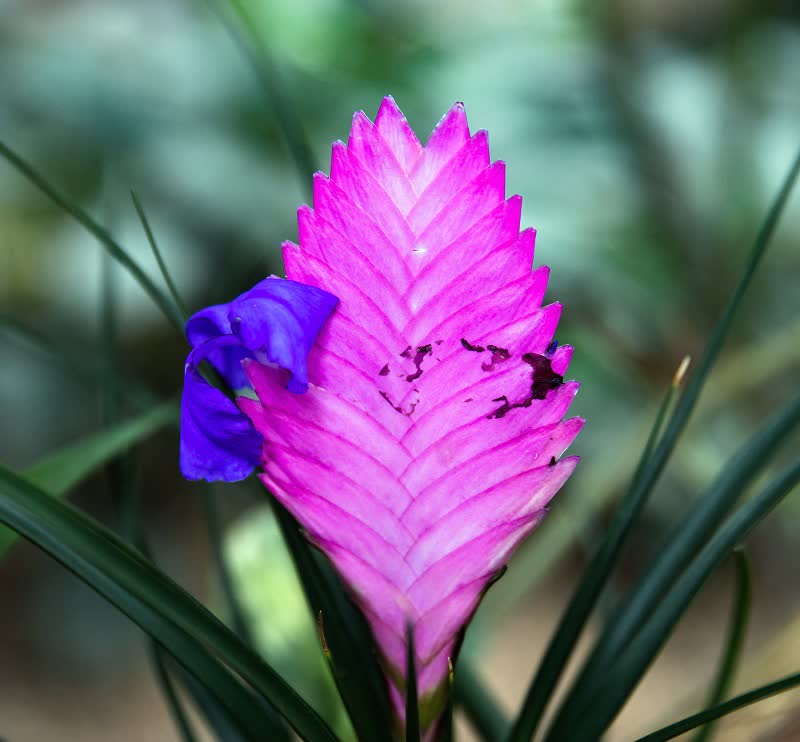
column 429, row 441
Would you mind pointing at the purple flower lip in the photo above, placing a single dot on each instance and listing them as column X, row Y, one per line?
column 275, row 322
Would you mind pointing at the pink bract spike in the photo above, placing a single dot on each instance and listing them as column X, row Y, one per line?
column 430, row 441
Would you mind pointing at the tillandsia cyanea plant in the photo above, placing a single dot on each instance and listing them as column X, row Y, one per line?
column 403, row 397
column 426, row 441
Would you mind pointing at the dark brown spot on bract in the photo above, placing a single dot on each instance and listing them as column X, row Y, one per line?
column 469, row 346
column 398, row 408
column 543, row 380
column 552, row 461
column 384, row 371
column 422, row 351
column 498, row 356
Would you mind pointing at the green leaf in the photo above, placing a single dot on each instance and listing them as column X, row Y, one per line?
column 162, row 266
column 60, row 471
column 226, row 726
column 195, row 637
column 160, row 299
column 352, row 657
column 704, row 717
column 648, row 472
column 590, row 721
column 412, row 699
column 740, row 618
column 681, row 545
column 171, row 698
column 478, row 703
column 585, row 597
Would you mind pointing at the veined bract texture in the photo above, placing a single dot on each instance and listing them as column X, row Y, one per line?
column 429, row 443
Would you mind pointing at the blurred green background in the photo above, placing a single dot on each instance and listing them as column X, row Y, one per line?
column 647, row 139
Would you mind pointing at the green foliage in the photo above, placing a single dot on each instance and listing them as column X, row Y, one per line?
column 187, row 630
column 732, row 651
column 60, row 471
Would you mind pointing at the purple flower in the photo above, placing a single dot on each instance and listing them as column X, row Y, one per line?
column 430, row 442
column 276, row 323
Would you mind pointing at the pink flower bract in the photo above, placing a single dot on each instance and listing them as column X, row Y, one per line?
column 429, row 443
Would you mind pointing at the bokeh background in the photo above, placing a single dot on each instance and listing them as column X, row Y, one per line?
column 647, row 139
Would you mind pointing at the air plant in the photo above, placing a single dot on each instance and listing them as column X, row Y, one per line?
column 403, row 397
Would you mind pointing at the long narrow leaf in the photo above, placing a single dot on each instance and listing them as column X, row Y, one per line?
column 597, row 573
column 160, row 299
column 590, row 721
column 147, row 596
column 585, row 597
column 740, row 618
column 162, row 266
column 681, row 545
column 62, row 470
column 352, row 658
column 226, row 726
column 479, row 704
column 412, row 698
column 717, row 712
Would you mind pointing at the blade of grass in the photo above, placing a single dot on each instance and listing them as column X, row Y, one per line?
column 352, row 657
column 123, row 485
column 412, row 700
column 447, row 722
column 59, row 472
column 686, row 539
column 162, row 266
column 147, row 596
column 740, row 619
column 595, row 717
column 585, row 597
column 480, row 706
column 225, row 727
column 597, row 573
column 160, row 299
column 717, row 712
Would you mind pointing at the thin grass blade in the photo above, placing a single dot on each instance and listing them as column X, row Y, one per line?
column 480, row 706
column 585, row 597
column 347, row 636
column 737, row 631
column 717, row 712
column 412, row 699
column 61, row 471
column 160, row 299
column 162, row 266
column 590, row 721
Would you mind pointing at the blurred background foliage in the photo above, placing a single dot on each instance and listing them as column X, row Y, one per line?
column 647, row 140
